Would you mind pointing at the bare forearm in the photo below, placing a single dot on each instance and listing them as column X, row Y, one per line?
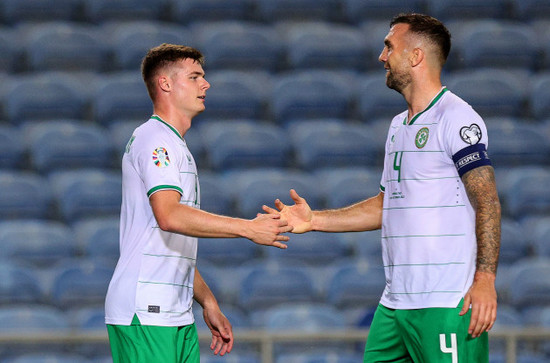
column 362, row 216
column 202, row 293
column 481, row 187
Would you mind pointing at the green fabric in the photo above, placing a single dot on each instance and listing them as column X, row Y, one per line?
column 424, row 335
column 138, row 343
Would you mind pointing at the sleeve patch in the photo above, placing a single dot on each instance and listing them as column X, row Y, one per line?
column 471, row 134
column 471, row 157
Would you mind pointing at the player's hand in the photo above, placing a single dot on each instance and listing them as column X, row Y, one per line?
column 267, row 230
column 298, row 216
column 222, row 331
column 482, row 296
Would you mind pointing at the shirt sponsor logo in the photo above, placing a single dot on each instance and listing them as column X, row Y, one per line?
column 470, row 134
column 160, row 157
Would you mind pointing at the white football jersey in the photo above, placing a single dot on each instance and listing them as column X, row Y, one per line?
column 154, row 275
column 428, row 224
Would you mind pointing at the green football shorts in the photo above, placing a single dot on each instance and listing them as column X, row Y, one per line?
column 433, row 335
column 138, row 343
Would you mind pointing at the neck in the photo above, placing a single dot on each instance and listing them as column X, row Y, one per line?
column 419, row 95
column 180, row 122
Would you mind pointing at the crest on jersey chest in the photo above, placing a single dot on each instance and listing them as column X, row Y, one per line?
column 422, row 137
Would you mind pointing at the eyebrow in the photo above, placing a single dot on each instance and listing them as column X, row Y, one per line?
column 196, row 73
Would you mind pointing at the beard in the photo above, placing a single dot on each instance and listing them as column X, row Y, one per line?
column 397, row 80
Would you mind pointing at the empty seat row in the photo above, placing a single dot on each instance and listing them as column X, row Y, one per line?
column 120, row 45
column 281, row 98
column 352, row 11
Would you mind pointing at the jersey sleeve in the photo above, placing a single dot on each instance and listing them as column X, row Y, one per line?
column 466, row 139
column 156, row 159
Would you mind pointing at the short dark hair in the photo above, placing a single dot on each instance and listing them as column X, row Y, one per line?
column 162, row 55
column 429, row 27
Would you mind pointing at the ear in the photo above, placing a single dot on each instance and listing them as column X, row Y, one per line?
column 417, row 56
column 164, row 83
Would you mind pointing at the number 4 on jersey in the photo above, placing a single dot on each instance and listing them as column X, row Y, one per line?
column 452, row 349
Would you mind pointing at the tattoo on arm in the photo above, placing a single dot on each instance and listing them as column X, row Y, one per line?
column 481, row 188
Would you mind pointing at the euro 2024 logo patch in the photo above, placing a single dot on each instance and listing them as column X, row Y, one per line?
column 422, row 137
column 160, row 157
column 471, row 134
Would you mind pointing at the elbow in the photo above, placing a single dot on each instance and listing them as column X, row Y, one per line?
column 165, row 223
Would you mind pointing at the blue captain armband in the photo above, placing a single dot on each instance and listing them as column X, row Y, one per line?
column 471, row 157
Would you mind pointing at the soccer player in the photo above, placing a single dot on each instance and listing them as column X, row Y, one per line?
column 148, row 303
column 438, row 209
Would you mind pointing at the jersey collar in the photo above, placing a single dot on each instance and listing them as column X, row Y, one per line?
column 157, row 117
column 434, row 101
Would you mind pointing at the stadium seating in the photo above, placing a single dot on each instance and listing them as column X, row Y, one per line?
column 311, row 317
column 366, row 245
column 120, row 96
column 325, row 143
column 98, row 238
column 281, row 10
column 514, row 243
column 539, row 95
column 237, row 94
column 64, row 46
column 130, row 41
column 375, row 100
column 214, row 196
column 540, row 235
column 188, row 11
column 311, row 94
column 14, row 151
column 236, row 316
column 227, row 252
column 99, row 11
column 40, row 242
column 33, row 318
column 469, row 9
column 343, row 186
column 29, row 195
column 238, row 45
column 19, row 284
column 527, row 194
column 332, row 357
column 526, row 287
column 48, row 358
column 14, row 12
column 531, row 10
column 357, row 11
column 324, row 45
column 67, row 144
column 86, row 193
column 244, row 144
column 43, row 96
column 10, row 55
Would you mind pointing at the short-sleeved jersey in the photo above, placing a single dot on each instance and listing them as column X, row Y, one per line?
column 428, row 224
column 154, row 274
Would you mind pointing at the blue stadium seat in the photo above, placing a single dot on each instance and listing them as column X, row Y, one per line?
column 40, row 242
column 214, row 195
column 10, row 54
column 526, row 287
column 185, row 12
column 227, row 251
column 87, row 318
column 374, row 31
column 281, row 10
column 120, row 132
column 43, row 96
column 99, row 11
column 326, row 143
column 237, row 94
column 244, row 144
column 234, row 357
column 19, row 284
column 64, row 46
column 540, row 235
column 86, row 193
column 539, row 95
column 67, row 144
column 236, row 316
column 508, row 317
column 98, row 237
column 325, row 45
column 80, row 282
column 238, row 45
column 312, row 94
column 48, row 358
column 271, row 283
column 516, row 143
column 542, row 28
column 343, row 186
column 306, row 317
column 29, row 195
column 468, row 9
column 357, row 11
column 527, row 194
column 494, row 44
column 33, row 318
column 514, row 243
column 317, row 357
column 130, row 41
column 365, row 245
column 314, row 248
column 121, row 96
column 356, row 282
column 18, row 11
column 490, row 91
column 529, row 10
column 15, row 152
column 375, row 100
column 255, row 187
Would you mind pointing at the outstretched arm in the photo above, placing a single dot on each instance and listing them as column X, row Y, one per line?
column 222, row 332
column 481, row 188
column 362, row 216
column 179, row 218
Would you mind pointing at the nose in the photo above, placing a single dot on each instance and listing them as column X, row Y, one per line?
column 206, row 85
column 383, row 57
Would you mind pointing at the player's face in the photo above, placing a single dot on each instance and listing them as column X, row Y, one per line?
column 189, row 87
column 395, row 58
